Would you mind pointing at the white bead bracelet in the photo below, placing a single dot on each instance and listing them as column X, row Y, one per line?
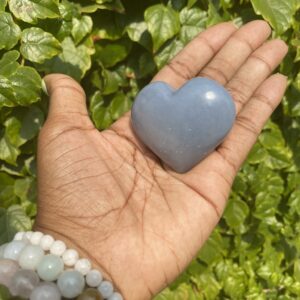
column 36, row 257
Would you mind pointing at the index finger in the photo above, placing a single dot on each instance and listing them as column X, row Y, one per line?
column 190, row 60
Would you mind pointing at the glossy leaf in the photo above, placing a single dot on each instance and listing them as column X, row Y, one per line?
column 163, row 24
column 3, row 4
column 278, row 13
column 12, row 220
column 73, row 61
column 10, row 31
column 31, row 10
column 109, row 54
column 18, row 85
column 38, row 45
column 193, row 21
column 81, row 27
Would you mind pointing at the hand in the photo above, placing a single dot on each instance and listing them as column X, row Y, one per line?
column 111, row 198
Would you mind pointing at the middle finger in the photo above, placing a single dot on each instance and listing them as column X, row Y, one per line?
column 236, row 50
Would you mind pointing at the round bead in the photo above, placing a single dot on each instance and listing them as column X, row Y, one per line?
column 30, row 257
column 46, row 242
column 70, row 283
column 83, row 266
column 93, row 278
column 115, row 296
column 50, row 267
column 36, row 238
column 23, row 283
column 106, row 289
column 28, row 235
column 2, row 248
column 14, row 249
column 70, row 257
column 8, row 268
column 46, row 291
column 19, row 236
column 58, row 248
column 90, row 294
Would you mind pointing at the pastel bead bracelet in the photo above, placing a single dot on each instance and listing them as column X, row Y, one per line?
column 37, row 267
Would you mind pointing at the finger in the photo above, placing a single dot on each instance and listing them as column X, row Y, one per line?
column 250, row 121
column 236, row 50
column 189, row 61
column 256, row 69
column 67, row 100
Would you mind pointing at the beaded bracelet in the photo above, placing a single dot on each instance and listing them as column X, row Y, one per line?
column 37, row 267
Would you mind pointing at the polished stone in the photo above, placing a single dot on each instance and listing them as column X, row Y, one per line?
column 30, row 257
column 13, row 250
column 116, row 296
column 90, row 294
column 93, row 278
column 50, row 267
column 70, row 283
column 8, row 269
column 46, row 291
column 183, row 126
column 23, row 283
column 106, row 289
column 2, row 249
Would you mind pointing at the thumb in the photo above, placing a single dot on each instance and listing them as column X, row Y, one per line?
column 67, row 101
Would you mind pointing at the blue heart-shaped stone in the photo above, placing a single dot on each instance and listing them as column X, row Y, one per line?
column 183, row 126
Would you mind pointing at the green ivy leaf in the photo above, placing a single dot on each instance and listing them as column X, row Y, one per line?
column 162, row 22
column 183, row 292
column 167, row 52
column 73, row 61
column 38, row 45
column 4, row 293
column 32, row 121
column 69, row 10
column 12, row 220
column 294, row 202
column 191, row 3
column 10, row 32
column 111, row 82
column 193, row 22
column 18, row 85
column 7, row 195
column 138, row 32
column 278, row 13
column 3, row 4
column 27, row 84
column 114, row 5
column 11, row 141
column 297, row 270
column 266, row 204
column 8, row 63
column 235, row 214
column 100, row 114
column 257, row 155
column 108, row 25
column 208, row 285
column 81, row 27
column 31, row 10
column 110, row 53
column 142, row 65
column 213, row 249
column 119, row 105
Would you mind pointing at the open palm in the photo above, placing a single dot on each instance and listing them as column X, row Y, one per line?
column 109, row 196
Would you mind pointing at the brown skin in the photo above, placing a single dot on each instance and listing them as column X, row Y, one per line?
column 110, row 197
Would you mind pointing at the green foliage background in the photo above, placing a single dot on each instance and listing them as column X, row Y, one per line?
column 114, row 49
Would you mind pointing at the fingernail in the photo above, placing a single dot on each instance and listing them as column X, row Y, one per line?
column 44, row 87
